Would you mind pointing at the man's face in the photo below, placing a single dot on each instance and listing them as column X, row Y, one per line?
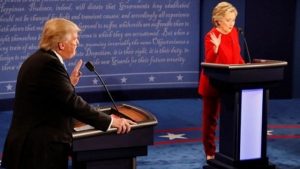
column 68, row 49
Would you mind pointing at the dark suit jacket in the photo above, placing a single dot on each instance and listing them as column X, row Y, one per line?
column 45, row 104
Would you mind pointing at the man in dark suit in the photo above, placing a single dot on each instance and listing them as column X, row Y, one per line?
column 40, row 134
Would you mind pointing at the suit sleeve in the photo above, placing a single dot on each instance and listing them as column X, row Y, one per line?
column 57, row 85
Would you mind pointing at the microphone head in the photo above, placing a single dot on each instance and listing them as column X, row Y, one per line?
column 90, row 66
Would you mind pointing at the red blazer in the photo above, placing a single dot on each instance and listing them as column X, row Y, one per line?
column 228, row 53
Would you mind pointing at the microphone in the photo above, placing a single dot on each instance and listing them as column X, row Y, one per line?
column 91, row 68
column 245, row 42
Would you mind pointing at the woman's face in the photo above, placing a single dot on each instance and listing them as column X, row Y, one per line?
column 226, row 23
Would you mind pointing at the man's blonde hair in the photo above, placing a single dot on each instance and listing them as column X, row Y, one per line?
column 56, row 30
column 220, row 10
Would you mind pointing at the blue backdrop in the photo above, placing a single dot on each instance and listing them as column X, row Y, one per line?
column 133, row 44
column 147, row 44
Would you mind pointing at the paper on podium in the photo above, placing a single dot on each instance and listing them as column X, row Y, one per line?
column 83, row 128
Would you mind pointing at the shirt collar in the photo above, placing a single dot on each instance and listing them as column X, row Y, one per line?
column 59, row 57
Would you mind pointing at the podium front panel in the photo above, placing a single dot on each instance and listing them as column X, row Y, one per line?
column 251, row 124
column 97, row 149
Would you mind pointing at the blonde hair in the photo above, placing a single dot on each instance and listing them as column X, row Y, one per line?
column 220, row 10
column 56, row 30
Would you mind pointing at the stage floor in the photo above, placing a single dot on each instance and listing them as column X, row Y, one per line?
column 177, row 140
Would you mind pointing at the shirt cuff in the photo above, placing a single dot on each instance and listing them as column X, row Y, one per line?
column 111, row 122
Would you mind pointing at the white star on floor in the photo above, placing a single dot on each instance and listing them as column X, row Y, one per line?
column 172, row 136
column 269, row 132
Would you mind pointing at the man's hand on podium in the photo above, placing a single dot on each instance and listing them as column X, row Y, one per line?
column 123, row 125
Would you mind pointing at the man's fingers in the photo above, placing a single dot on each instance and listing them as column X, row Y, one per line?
column 78, row 65
column 128, row 127
column 125, row 126
column 119, row 130
column 132, row 122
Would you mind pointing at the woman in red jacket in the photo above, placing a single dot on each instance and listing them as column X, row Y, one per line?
column 221, row 46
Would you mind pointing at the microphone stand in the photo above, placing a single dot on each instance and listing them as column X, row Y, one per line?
column 246, row 44
column 91, row 68
column 112, row 100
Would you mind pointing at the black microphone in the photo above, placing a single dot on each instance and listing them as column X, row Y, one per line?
column 91, row 68
column 245, row 42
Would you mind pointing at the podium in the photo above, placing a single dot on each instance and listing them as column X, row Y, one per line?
column 244, row 91
column 94, row 149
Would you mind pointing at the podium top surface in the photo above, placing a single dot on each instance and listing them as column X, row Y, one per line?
column 138, row 115
column 258, row 73
column 257, row 63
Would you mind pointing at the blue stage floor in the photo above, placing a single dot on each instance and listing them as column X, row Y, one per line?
column 178, row 134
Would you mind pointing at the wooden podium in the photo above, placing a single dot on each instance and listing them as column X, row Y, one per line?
column 243, row 117
column 94, row 149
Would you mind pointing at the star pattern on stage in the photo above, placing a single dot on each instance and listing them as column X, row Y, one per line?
column 151, row 78
column 172, row 136
column 9, row 87
column 179, row 77
column 269, row 132
column 147, row 78
column 123, row 79
column 95, row 81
